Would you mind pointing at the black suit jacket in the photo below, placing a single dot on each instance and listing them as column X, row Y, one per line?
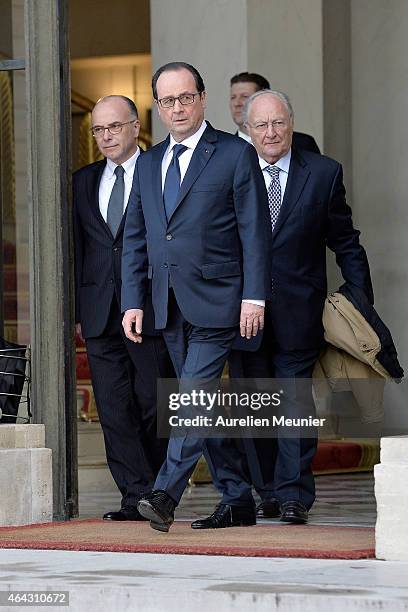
column 97, row 256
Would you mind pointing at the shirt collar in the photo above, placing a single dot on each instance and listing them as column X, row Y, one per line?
column 192, row 141
column 283, row 163
column 128, row 165
column 244, row 136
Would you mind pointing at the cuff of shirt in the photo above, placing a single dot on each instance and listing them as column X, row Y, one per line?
column 256, row 302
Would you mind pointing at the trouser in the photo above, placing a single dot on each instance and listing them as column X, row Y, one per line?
column 124, row 376
column 201, row 353
column 280, row 467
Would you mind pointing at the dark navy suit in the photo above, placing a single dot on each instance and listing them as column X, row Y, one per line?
column 314, row 215
column 123, row 374
column 212, row 252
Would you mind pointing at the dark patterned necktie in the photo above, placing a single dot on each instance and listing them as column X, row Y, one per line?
column 116, row 201
column 274, row 194
column 172, row 181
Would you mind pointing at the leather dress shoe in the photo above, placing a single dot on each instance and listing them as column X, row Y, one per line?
column 269, row 508
column 225, row 515
column 293, row 512
column 157, row 507
column 127, row 513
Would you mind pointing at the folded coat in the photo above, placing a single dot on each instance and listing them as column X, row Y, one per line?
column 353, row 354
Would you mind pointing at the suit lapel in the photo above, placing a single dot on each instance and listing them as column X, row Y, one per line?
column 157, row 158
column 298, row 175
column 93, row 195
column 200, row 158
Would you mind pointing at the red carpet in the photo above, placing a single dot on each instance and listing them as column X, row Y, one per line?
column 275, row 540
column 332, row 457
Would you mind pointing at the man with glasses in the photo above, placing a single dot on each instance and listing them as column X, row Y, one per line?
column 308, row 211
column 123, row 373
column 197, row 224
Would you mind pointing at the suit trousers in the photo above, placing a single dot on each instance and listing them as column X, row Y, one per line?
column 124, row 378
column 201, row 353
column 280, row 467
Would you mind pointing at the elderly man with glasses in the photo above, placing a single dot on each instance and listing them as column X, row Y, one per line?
column 123, row 373
column 308, row 214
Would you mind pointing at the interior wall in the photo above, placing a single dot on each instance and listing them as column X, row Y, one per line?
column 129, row 75
column 102, row 27
column 110, row 54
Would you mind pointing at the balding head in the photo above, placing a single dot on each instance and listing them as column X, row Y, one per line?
column 117, row 116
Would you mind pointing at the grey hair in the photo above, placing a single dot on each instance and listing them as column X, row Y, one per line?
column 278, row 94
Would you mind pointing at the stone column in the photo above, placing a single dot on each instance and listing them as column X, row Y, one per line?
column 211, row 35
column 277, row 38
column 285, row 44
column 379, row 86
column 50, row 241
column 391, row 480
column 25, row 475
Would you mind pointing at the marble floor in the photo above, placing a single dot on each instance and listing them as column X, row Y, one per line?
column 181, row 583
column 131, row 582
column 341, row 499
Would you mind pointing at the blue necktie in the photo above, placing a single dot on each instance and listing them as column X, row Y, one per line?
column 115, row 205
column 172, row 181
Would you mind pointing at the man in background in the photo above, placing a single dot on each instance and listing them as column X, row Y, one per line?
column 123, row 373
column 244, row 85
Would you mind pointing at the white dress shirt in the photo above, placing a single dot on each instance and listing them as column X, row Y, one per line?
column 283, row 164
column 184, row 160
column 244, row 136
column 108, row 179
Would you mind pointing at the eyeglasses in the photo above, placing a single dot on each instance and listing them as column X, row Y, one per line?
column 277, row 124
column 113, row 128
column 184, row 99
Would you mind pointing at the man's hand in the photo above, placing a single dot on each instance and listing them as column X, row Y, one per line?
column 133, row 319
column 78, row 331
column 252, row 319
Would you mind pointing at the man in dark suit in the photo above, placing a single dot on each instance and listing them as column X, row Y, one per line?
column 308, row 212
column 197, row 225
column 244, row 85
column 123, row 373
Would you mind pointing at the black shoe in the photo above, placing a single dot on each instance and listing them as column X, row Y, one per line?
column 227, row 516
column 268, row 509
column 127, row 513
column 293, row 512
column 158, row 508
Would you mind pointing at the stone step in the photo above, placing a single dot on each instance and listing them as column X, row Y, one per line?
column 391, row 483
column 394, row 450
column 22, row 436
column 26, row 486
